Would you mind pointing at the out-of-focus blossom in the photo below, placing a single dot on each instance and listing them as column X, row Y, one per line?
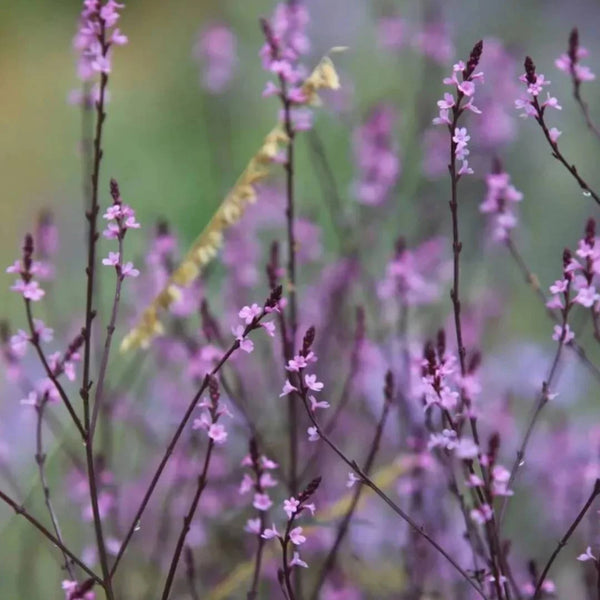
column 376, row 156
column 499, row 203
column 216, row 51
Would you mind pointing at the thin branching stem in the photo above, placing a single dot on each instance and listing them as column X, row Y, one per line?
column 563, row 542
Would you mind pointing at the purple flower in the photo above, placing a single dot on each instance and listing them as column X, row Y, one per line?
column 376, row 156
column 297, row 561
column 216, row 51
column 290, row 506
column 262, row 502
column 312, row 383
column 296, row 536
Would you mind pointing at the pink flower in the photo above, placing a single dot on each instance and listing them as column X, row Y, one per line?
column 217, row 433
column 18, row 343
column 552, row 102
column 297, row 561
column 297, row 363
column 290, row 506
column 587, row 296
column 252, row 526
column 30, row 291
column 245, row 344
column 288, row 388
column 249, row 313
column 267, row 480
column 447, row 102
column 558, row 334
column 128, row 270
column 314, row 403
column 482, row 514
column 267, row 463
column 270, row 533
column 246, row 484
column 313, row 434
column 262, row 501
column 559, row 286
column 587, row 555
column 296, row 536
column 216, row 50
column 112, row 260
column 312, row 383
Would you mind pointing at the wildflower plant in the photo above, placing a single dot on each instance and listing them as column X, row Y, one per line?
column 284, row 412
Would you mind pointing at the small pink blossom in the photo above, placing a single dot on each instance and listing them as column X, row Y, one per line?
column 587, row 555
column 249, row 313
column 296, row 536
column 313, row 434
column 290, row 506
column 262, row 501
column 112, row 260
column 312, row 383
column 558, row 334
column 252, row 526
column 270, row 533
column 288, row 388
column 30, row 291
column 297, row 561
column 128, row 270
column 217, row 433
column 315, row 404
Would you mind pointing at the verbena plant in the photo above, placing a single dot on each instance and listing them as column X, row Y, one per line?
column 309, row 425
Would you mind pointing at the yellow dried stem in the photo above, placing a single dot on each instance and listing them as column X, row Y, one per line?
column 207, row 244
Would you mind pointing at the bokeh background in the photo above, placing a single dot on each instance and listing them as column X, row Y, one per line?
column 175, row 148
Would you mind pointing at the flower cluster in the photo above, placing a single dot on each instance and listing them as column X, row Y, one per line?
column 415, row 276
column 120, row 218
column 293, row 508
column 216, row 51
column 529, row 102
column 305, row 384
column 96, row 36
column 569, row 62
column 578, row 284
column 463, row 79
column 499, row 203
column 260, row 480
column 376, row 156
column 212, row 411
column 286, row 41
column 27, row 268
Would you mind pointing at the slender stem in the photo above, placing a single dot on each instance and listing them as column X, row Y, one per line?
column 90, row 313
column 110, row 329
column 20, row 510
column 329, row 561
column 252, row 594
column 40, row 459
column 171, row 447
column 539, row 406
column 557, row 154
column 291, row 276
column 49, row 372
column 187, row 521
column 563, row 542
column 258, row 487
column 379, row 492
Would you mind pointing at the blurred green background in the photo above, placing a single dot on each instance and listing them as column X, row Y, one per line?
column 175, row 150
